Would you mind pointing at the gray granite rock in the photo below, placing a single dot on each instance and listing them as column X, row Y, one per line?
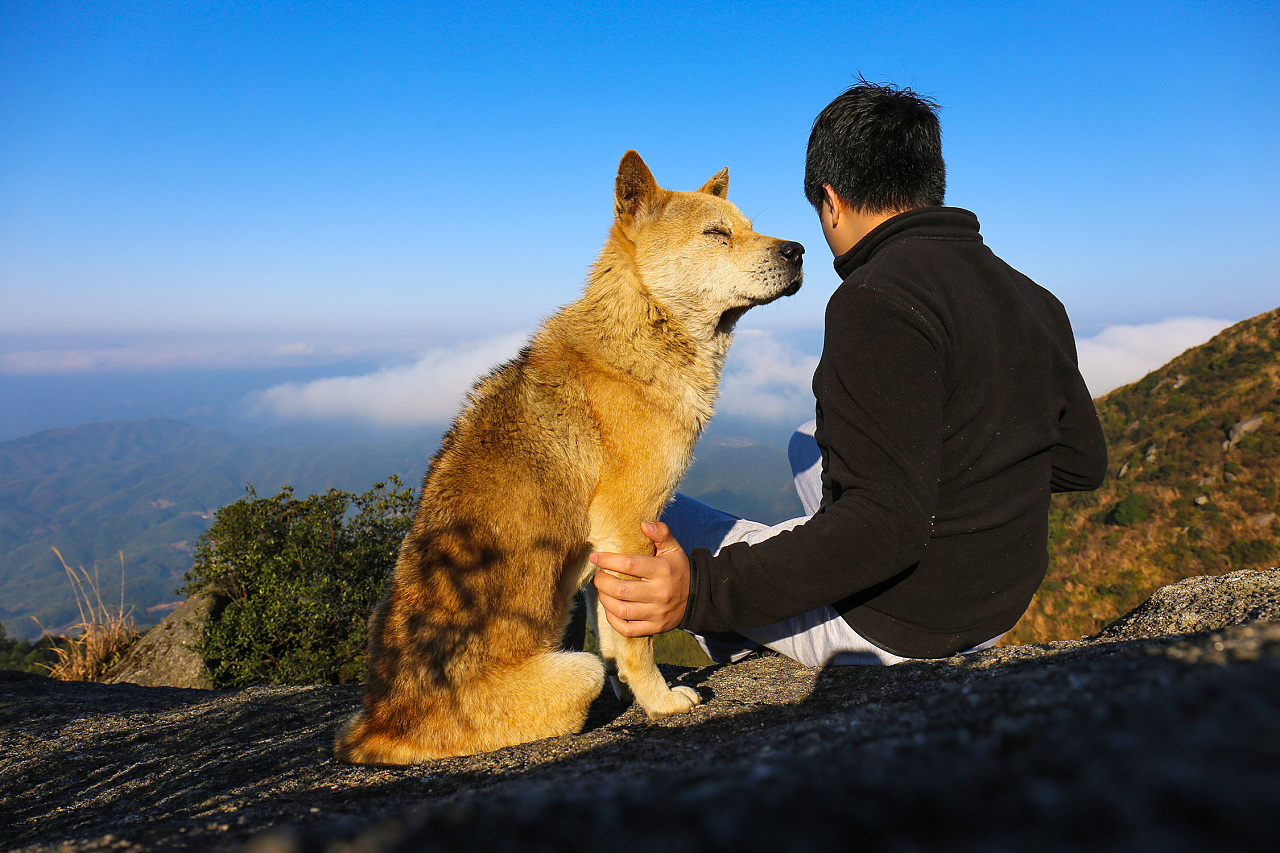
column 1161, row 734
column 1204, row 603
column 168, row 655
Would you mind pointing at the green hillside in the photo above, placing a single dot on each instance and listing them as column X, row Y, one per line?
column 147, row 489
column 1193, row 485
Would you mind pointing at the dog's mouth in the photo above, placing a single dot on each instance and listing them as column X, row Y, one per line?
column 794, row 287
column 729, row 319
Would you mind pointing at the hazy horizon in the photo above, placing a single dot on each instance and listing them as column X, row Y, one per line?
column 766, row 379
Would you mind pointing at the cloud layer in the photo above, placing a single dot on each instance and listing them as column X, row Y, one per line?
column 428, row 391
column 767, row 379
column 1119, row 355
column 764, row 378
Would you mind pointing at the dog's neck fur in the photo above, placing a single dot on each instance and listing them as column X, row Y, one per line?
column 649, row 343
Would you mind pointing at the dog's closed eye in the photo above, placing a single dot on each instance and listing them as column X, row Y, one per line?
column 717, row 232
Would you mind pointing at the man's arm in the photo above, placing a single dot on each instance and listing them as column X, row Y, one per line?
column 1080, row 458
column 879, row 385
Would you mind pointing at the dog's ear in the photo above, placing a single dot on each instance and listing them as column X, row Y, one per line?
column 718, row 185
column 635, row 191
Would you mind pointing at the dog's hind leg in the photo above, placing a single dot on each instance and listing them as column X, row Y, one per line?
column 545, row 696
column 608, row 641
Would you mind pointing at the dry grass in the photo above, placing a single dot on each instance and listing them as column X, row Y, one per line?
column 105, row 632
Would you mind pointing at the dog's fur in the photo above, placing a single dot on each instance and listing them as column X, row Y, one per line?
column 558, row 453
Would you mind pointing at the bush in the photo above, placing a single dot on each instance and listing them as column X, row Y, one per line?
column 1132, row 510
column 26, row 656
column 302, row 577
column 1252, row 553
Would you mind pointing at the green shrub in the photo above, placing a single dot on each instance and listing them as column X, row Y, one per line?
column 302, row 577
column 26, row 656
column 1132, row 510
column 1252, row 553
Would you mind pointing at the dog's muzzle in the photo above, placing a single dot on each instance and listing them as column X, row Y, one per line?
column 793, row 253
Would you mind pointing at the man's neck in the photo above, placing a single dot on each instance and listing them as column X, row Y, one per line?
column 844, row 226
column 862, row 224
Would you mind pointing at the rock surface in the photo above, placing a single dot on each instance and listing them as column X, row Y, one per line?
column 167, row 655
column 1161, row 734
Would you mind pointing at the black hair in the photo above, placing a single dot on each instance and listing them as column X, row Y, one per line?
column 880, row 149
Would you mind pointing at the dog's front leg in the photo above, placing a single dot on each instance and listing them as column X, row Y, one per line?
column 632, row 670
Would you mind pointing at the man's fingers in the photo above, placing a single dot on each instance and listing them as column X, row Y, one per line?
column 629, row 629
column 613, row 588
column 660, row 535
column 644, row 595
column 627, row 564
column 617, row 610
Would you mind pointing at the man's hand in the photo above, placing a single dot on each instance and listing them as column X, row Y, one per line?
column 655, row 601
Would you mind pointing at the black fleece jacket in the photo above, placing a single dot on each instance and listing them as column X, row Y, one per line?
column 949, row 406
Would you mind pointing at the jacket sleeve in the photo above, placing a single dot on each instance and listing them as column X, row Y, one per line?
column 1079, row 458
column 879, row 384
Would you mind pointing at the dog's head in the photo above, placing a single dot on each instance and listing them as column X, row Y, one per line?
column 695, row 252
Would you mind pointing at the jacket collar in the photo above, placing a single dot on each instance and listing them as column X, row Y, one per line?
column 947, row 223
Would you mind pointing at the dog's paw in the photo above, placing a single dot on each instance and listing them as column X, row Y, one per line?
column 677, row 700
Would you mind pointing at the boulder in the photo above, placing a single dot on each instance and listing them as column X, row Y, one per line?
column 1205, row 603
column 1242, row 428
column 168, row 655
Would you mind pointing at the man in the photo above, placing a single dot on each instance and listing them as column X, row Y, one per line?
column 949, row 406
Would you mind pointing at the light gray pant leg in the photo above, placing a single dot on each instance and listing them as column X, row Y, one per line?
column 815, row 638
column 806, row 466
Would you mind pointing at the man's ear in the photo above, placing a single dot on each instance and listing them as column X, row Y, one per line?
column 718, row 185
column 833, row 203
column 635, row 191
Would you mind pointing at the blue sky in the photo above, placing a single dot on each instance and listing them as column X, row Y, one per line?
column 199, row 185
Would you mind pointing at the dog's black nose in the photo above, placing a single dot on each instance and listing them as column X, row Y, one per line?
column 791, row 251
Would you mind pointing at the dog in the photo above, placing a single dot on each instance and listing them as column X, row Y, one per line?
column 559, row 453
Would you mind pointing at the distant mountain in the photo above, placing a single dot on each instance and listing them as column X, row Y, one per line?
column 149, row 489
column 745, row 478
column 1193, row 488
column 1193, row 485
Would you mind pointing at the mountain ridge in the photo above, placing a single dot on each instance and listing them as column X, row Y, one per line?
column 1193, row 485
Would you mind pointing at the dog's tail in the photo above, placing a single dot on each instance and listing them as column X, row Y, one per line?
column 546, row 696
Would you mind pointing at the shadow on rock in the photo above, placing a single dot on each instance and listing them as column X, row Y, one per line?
column 1140, row 740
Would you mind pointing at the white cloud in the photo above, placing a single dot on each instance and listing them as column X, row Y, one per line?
column 298, row 349
column 764, row 378
column 767, row 379
column 166, row 354
column 1119, row 355
column 429, row 391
